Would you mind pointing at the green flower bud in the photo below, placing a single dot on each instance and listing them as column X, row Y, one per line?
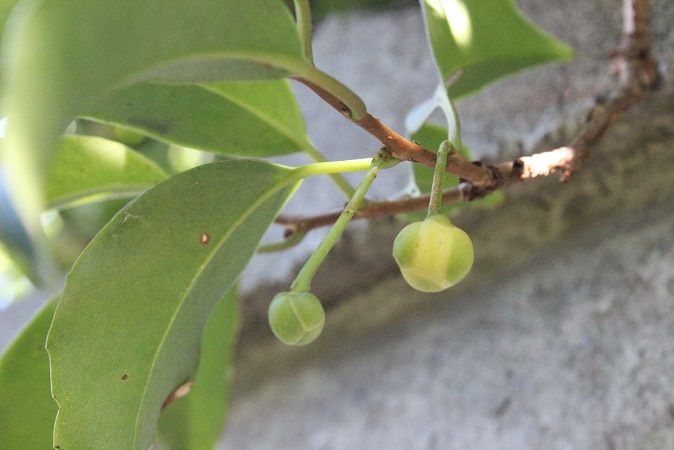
column 433, row 255
column 296, row 318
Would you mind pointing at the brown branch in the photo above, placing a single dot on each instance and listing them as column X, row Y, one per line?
column 640, row 72
column 403, row 148
column 637, row 67
column 371, row 210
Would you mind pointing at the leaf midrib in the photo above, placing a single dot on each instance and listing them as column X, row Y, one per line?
column 288, row 179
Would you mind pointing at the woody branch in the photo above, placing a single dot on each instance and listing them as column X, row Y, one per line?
column 638, row 72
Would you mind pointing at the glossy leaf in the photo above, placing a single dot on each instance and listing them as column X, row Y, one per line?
column 64, row 58
column 195, row 422
column 128, row 327
column 235, row 118
column 27, row 411
column 487, row 39
column 87, row 167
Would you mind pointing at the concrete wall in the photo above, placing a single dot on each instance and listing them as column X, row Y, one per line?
column 562, row 338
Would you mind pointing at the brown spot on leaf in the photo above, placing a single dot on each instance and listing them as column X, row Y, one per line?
column 125, row 377
column 205, row 237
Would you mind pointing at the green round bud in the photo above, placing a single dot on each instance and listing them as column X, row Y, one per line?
column 433, row 255
column 296, row 318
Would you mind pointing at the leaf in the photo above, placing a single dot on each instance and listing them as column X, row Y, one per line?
column 6, row 7
column 195, row 422
column 27, row 410
column 431, row 136
column 88, row 167
column 63, row 58
column 128, row 327
column 14, row 238
column 235, row 118
column 487, row 39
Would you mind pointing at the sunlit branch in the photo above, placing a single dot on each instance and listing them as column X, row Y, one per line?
column 639, row 73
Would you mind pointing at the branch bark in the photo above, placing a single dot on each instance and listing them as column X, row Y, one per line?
column 405, row 149
column 638, row 73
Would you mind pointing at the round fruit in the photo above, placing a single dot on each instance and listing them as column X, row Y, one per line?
column 433, row 255
column 296, row 318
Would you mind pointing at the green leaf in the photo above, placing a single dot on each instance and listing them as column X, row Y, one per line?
column 87, row 167
column 27, row 410
column 6, row 7
column 235, row 118
column 487, row 39
column 63, row 58
column 195, row 422
column 431, row 136
column 128, row 327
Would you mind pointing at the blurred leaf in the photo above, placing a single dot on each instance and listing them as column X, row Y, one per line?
column 128, row 137
column 27, row 410
column 487, row 39
column 128, row 327
column 6, row 7
column 13, row 282
column 159, row 153
column 83, row 221
column 15, row 239
column 195, row 422
column 236, row 118
column 64, row 58
column 86, row 168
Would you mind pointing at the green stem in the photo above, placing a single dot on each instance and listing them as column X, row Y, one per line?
column 356, row 106
column 339, row 180
column 326, row 168
column 453, row 124
column 438, row 176
column 306, row 275
column 303, row 17
column 292, row 241
column 445, row 103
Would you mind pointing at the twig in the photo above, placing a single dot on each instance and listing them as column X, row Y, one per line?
column 403, row 148
column 640, row 72
column 371, row 210
column 638, row 68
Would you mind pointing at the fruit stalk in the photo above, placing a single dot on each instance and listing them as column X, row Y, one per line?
column 305, row 276
column 438, row 176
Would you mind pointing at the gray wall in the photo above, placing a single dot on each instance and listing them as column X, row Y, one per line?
column 561, row 338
